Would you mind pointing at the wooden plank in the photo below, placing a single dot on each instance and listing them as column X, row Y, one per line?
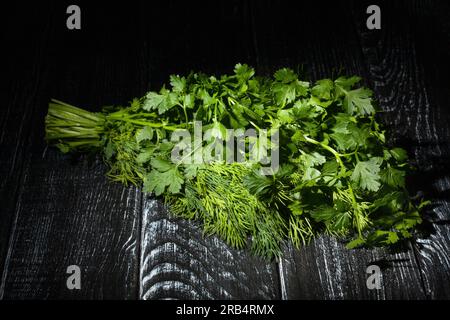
column 67, row 212
column 322, row 44
column 433, row 251
column 325, row 269
column 404, row 63
column 21, row 72
column 178, row 262
column 72, row 215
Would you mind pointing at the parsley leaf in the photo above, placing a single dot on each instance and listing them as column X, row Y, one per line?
column 164, row 175
column 178, row 83
column 393, row 177
column 366, row 174
column 323, row 89
column 162, row 102
column 359, row 101
column 287, row 87
column 143, row 134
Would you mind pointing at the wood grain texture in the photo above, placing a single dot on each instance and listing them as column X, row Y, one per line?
column 66, row 211
column 325, row 44
column 72, row 215
column 178, row 262
column 434, row 252
column 325, row 269
column 18, row 94
column 402, row 61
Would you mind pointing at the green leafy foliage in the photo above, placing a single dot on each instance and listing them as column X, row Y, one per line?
column 337, row 175
column 359, row 100
column 163, row 175
column 143, row 134
column 366, row 174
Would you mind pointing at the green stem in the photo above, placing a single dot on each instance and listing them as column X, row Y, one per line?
column 343, row 169
column 329, row 149
column 186, row 116
column 143, row 123
column 357, row 212
column 62, row 106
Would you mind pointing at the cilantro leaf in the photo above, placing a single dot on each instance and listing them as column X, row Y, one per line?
column 355, row 243
column 285, row 115
column 323, row 213
column 310, row 174
column 382, row 237
column 347, row 83
column 303, row 109
column 164, row 175
column 343, row 141
column 348, row 135
column 393, row 177
column 153, row 101
column 399, row 154
column 190, row 170
column 144, row 156
column 157, row 182
column 206, row 97
column 284, row 93
column 313, row 159
column 287, row 87
column 143, row 134
column 308, row 162
column 391, row 200
column 359, row 101
column 243, row 72
column 160, row 101
column 178, row 83
column 323, row 89
column 161, row 164
column 285, row 75
column 366, row 174
column 335, row 220
column 342, row 122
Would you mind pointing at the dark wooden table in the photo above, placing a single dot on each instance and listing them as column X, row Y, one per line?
column 59, row 210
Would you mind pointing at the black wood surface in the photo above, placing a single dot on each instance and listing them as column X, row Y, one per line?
column 178, row 262
column 59, row 210
column 65, row 212
column 416, row 104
